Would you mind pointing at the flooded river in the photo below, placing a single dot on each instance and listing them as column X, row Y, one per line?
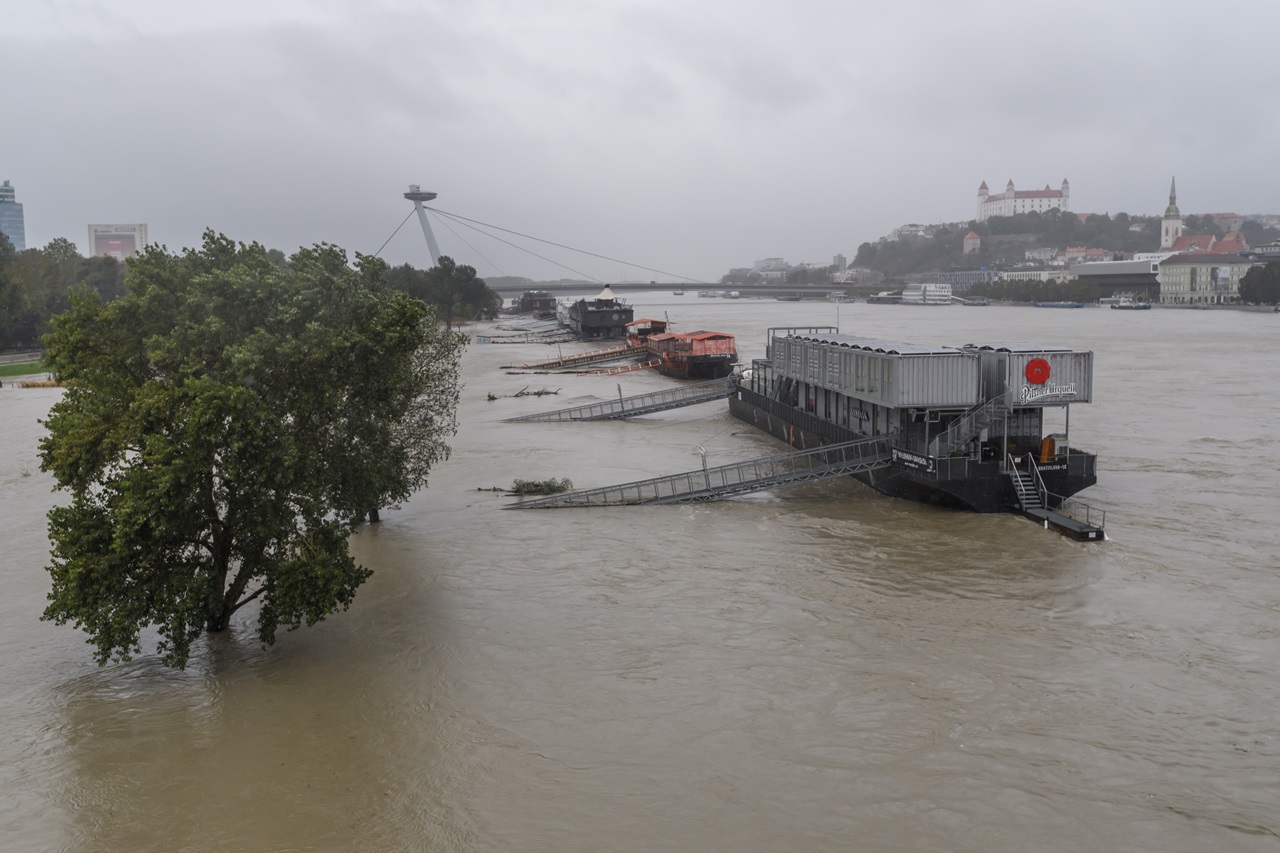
column 815, row 668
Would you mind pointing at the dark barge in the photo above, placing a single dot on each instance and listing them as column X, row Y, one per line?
column 598, row 317
column 967, row 425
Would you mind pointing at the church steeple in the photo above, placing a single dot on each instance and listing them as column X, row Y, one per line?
column 1172, row 209
column 1171, row 225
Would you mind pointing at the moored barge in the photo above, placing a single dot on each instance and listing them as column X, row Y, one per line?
column 700, row 354
column 967, row 426
column 598, row 317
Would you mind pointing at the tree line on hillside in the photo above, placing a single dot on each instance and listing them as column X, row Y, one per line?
column 36, row 285
column 1005, row 240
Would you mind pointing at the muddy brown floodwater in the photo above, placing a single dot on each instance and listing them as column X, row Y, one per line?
column 815, row 668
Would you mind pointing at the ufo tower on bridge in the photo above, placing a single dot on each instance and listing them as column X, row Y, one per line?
column 417, row 196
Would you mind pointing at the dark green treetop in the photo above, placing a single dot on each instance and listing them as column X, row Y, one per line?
column 226, row 423
column 1261, row 284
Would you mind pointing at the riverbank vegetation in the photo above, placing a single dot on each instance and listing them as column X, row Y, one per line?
column 1261, row 285
column 22, row 368
column 36, row 284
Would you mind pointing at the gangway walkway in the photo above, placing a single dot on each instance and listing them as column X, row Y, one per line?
column 622, row 368
column 640, row 404
column 591, row 357
column 803, row 466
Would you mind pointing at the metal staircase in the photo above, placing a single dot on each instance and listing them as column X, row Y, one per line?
column 967, row 427
column 1034, row 501
column 1024, row 485
column 639, row 404
column 805, row 466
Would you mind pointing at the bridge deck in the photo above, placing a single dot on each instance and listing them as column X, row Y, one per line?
column 819, row 463
column 639, row 404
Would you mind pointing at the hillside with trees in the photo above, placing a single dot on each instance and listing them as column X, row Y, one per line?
column 1005, row 240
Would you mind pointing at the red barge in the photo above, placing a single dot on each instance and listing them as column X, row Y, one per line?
column 685, row 355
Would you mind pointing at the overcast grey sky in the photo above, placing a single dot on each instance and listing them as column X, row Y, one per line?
column 685, row 135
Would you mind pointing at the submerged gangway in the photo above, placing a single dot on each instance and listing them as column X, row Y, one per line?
column 639, row 404
column 802, row 466
column 591, row 357
column 622, row 368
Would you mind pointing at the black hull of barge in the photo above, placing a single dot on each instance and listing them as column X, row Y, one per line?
column 968, row 484
column 696, row 368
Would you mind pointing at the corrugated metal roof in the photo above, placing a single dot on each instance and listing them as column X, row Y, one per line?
column 1019, row 346
column 879, row 345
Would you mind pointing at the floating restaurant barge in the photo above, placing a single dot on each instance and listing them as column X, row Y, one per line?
column 599, row 317
column 966, row 426
column 685, row 355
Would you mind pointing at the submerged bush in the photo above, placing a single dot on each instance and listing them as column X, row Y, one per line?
column 541, row 487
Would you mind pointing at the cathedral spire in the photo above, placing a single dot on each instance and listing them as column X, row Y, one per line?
column 1171, row 225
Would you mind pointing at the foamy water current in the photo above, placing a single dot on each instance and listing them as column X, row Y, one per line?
column 815, row 668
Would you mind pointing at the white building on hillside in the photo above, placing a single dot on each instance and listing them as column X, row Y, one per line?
column 1011, row 201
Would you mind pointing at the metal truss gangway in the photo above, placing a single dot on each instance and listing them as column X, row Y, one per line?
column 802, row 466
column 639, row 404
column 590, row 357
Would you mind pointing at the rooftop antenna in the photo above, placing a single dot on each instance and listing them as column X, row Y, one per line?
column 417, row 196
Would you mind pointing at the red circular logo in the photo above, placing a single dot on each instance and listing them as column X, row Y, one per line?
column 1037, row 371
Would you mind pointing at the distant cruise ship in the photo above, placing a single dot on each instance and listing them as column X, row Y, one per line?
column 927, row 294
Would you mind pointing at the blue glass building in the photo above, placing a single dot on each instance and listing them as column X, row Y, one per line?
column 11, row 222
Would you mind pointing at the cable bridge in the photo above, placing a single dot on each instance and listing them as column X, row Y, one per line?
column 640, row 404
column 802, row 466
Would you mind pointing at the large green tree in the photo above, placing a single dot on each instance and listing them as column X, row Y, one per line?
column 226, row 424
column 453, row 289
column 1261, row 285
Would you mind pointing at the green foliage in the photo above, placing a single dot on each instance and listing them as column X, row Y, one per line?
column 1261, row 285
column 35, row 285
column 1037, row 291
column 453, row 290
column 550, row 486
column 225, row 424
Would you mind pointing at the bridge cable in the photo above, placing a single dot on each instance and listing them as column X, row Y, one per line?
column 446, row 224
column 393, row 233
column 570, row 248
column 462, row 220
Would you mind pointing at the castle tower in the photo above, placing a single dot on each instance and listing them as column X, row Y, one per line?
column 1066, row 195
column 1171, row 224
column 983, row 192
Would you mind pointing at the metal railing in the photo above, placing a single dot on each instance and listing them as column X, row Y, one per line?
column 827, row 461
column 639, row 404
column 810, row 423
column 1073, row 508
column 966, row 427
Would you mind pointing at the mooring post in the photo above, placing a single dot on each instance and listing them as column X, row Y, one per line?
column 706, row 475
column 622, row 403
